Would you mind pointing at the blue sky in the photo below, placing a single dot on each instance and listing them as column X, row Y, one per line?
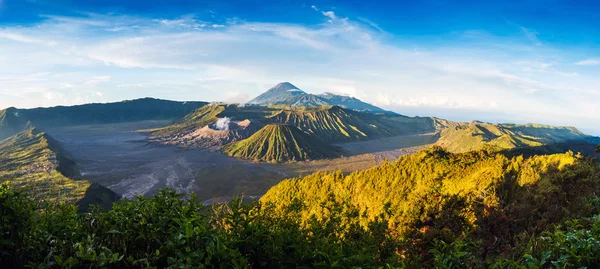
column 505, row 61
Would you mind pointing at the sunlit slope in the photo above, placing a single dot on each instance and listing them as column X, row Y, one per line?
column 413, row 188
column 329, row 123
column 336, row 124
column 33, row 161
column 281, row 143
column 464, row 137
column 209, row 114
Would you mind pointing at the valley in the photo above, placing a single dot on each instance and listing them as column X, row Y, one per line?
column 119, row 157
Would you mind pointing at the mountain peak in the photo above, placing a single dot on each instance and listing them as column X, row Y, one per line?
column 286, row 93
column 286, row 86
column 281, row 93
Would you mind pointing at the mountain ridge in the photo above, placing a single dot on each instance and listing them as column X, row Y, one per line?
column 13, row 120
column 286, row 93
column 281, row 143
column 33, row 161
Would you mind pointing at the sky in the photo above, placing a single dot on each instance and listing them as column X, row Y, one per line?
column 496, row 61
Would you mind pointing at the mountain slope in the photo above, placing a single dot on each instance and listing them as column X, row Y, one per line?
column 335, row 123
column 287, row 94
column 280, row 143
column 14, row 120
column 436, row 190
column 282, row 93
column 329, row 123
column 462, row 137
column 33, row 161
column 350, row 103
column 11, row 122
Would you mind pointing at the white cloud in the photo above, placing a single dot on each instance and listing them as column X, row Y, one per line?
column 236, row 98
column 184, row 60
column 329, row 14
column 24, row 39
column 588, row 62
column 96, row 80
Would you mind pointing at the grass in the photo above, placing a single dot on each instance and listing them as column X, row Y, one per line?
column 32, row 161
column 465, row 137
column 281, row 143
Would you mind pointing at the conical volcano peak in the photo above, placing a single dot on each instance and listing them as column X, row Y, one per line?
column 282, row 93
column 285, row 86
column 285, row 93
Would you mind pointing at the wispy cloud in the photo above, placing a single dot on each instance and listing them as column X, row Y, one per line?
column 124, row 57
column 329, row 14
column 588, row 62
column 531, row 35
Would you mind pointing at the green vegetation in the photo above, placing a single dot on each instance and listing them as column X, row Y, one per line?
column 330, row 123
column 11, row 123
column 482, row 197
column 281, row 143
column 465, row 137
column 33, row 161
column 434, row 209
column 209, row 114
column 14, row 120
column 333, row 123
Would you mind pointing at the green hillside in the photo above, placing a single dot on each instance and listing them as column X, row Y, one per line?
column 33, row 161
column 329, row 123
column 11, row 122
column 437, row 194
column 462, row 137
column 281, row 143
column 333, row 123
column 209, row 114
column 433, row 209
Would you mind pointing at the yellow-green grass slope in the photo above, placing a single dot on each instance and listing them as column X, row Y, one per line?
column 333, row 123
column 281, row 143
column 415, row 189
column 209, row 114
column 32, row 161
column 329, row 123
column 463, row 137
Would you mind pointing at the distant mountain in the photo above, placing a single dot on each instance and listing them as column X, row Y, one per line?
column 328, row 123
column 13, row 120
column 282, row 93
column 463, row 137
column 281, row 143
column 33, row 161
column 287, row 94
column 349, row 102
column 336, row 124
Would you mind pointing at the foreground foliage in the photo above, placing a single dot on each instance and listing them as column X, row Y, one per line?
column 434, row 209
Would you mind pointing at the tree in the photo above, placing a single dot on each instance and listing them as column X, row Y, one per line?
column 598, row 148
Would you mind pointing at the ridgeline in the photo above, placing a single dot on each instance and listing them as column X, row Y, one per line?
column 281, row 143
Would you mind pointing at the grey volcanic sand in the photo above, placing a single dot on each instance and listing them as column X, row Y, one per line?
column 118, row 157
